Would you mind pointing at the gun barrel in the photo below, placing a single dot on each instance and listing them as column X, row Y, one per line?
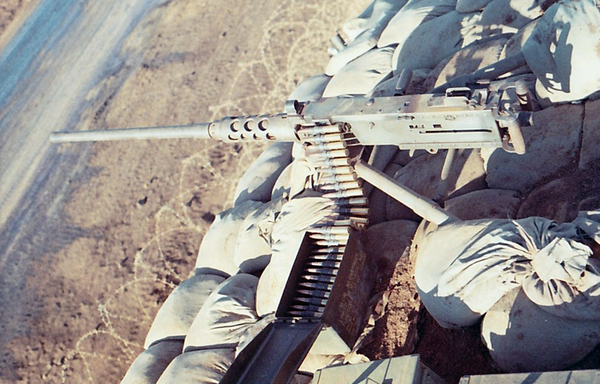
column 192, row 131
column 243, row 128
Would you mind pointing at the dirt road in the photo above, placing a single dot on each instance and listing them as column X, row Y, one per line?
column 94, row 236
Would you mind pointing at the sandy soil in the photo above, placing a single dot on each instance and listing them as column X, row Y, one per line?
column 100, row 252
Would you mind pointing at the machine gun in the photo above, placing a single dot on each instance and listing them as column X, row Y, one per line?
column 325, row 290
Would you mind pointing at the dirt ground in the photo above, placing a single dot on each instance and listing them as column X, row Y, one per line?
column 128, row 226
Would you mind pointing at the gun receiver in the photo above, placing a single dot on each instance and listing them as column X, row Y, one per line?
column 459, row 118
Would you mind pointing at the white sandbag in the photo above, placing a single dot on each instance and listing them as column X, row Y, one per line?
column 288, row 232
column 217, row 250
column 466, row 61
column 504, row 16
column 227, row 313
column 562, row 51
column 415, row 87
column 413, row 14
column 281, row 188
column 257, row 183
column 464, row 268
column 294, row 179
column 433, row 40
column 515, row 43
column 361, row 75
column 150, row 364
column 567, row 281
column 468, row 6
column 372, row 22
column 177, row 313
column 253, row 247
column 199, row 367
column 523, row 338
column 310, row 89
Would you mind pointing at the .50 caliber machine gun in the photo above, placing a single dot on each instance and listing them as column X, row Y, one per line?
column 324, row 292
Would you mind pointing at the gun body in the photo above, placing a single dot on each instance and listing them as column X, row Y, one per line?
column 460, row 118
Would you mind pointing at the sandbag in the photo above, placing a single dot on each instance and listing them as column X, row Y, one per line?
column 227, row 313
column 370, row 24
column 515, row 43
column 521, row 337
column 361, row 75
column 310, row 89
column 150, row 364
column 294, row 179
column 567, row 284
column 388, row 87
column 413, row 14
column 199, row 367
column 177, row 313
column 253, row 246
column 463, row 269
column 289, row 229
column 433, row 40
column 217, row 250
column 466, row 61
column 485, row 204
column 562, row 51
column 506, row 16
column 468, row 6
column 257, row 183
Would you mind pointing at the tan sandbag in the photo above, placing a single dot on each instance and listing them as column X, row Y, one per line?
column 150, row 364
column 378, row 198
column 413, row 14
column 199, row 367
column 253, row 247
column 177, row 313
column 423, row 176
column 522, row 337
column 217, row 250
column 227, row 313
column 310, row 89
column 466, row 61
column 361, row 75
column 484, row 204
column 590, row 150
column 257, row 183
column 289, row 229
column 552, row 144
column 433, row 41
column 372, row 22
column 562, row 51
